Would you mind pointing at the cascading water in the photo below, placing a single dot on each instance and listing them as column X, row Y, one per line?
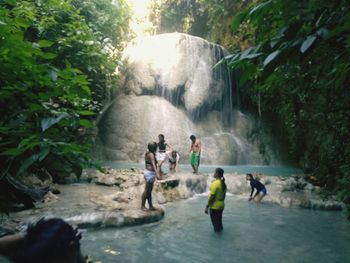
column 173, row 85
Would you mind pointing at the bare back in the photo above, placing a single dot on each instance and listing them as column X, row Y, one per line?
column 150, row 161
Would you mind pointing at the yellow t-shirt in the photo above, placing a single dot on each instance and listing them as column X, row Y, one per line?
column 217, row 191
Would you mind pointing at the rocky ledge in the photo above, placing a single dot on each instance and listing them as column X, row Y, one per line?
column 113, row 198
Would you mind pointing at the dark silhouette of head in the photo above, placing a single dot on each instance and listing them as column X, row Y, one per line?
column 152, row 147
column 174, row 154
column 161, row 137
column 50, row 241
column 219, row 172
column 249, row 177
column 193, row 138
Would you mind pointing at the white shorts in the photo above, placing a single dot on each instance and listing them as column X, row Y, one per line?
column 150, row 176
column 161, row 156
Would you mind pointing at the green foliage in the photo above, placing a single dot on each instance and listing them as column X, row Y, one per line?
column 295, row 73
column 179, row 16
column 55, row 67
column 210, row 19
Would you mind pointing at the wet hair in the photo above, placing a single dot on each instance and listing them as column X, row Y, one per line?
column 47, row 240
column 152, row 147
column 250, row 176
column 192, row 137
column 161, row 136
column 220, row 173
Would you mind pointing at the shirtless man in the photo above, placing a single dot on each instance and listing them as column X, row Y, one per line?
column 195, row 152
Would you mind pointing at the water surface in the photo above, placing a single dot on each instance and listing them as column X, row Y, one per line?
column 252, row 233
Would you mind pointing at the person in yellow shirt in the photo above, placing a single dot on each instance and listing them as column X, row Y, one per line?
column 216, row 199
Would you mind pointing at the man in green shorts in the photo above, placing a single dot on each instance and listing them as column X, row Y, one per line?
column 195, row 153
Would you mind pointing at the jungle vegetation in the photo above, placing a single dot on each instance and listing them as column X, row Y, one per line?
column 294, row 64
column 58, row 60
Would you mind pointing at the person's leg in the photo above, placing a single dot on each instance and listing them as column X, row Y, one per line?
column 171, row 167
column 149, row 196
column 196, row 161
column 260, row 196
column 143, row 198
column 160, row 163
column 192, row 163
column 220, row 220
column 215, row 217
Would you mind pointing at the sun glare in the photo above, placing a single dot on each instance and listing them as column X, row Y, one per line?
column 140, row 21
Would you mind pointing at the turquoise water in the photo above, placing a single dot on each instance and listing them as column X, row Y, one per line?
column 269, row 170
column 252, row 233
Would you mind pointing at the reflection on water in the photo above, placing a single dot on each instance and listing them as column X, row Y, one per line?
column 241, row 169
column 252, row 233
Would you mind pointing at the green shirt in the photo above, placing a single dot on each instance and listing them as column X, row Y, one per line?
column 217, row 191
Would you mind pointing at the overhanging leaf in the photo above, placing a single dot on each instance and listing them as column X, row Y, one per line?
column 48, row 55
column 307, row 43
column 86, row 113
column 27, row 163
column 259, row 7
column 45, row 43
column 48, row 122
column 86, row 123
column 271, row 57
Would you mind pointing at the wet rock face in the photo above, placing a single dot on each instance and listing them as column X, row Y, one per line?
column 172, row 87
column 132, row 121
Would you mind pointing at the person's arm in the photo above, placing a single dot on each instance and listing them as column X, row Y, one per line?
column 251, row 193
column 199, row 147
column 211, row 200
column 177, row 163
column 9, row 244
column 153, row 161
column 169, row 146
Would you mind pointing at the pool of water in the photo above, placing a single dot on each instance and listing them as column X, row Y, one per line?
column 252, row 233
column 242, row 169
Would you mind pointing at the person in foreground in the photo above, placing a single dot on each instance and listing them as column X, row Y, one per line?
column 216, row 199
column 260, row 189
column 195, row 153
column 47, row 241
column 151, row 173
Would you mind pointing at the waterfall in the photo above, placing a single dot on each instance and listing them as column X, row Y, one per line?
column 174, row 86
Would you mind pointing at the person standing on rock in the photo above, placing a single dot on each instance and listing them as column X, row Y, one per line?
column 216, row 199
column 260, row 189
column 151, row 173
column 195, row 153
column 161, row 153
